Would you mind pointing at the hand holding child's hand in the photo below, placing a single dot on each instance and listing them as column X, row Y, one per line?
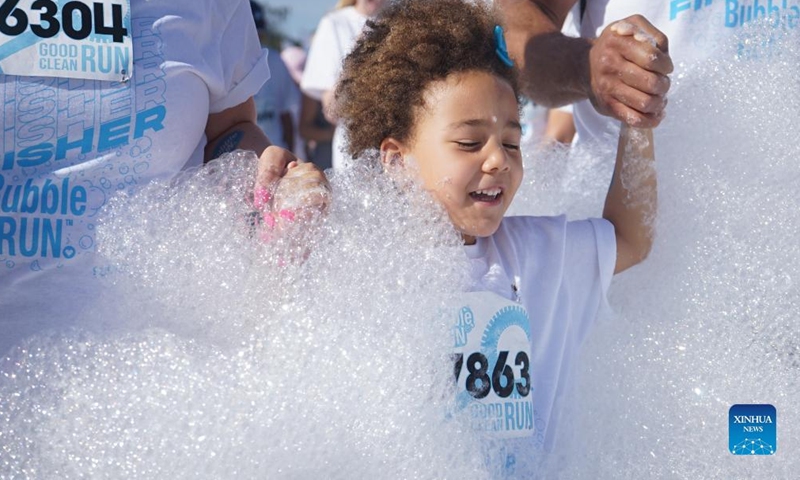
column 629, row 64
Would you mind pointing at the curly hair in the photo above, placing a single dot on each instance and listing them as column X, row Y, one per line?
column 411, row 44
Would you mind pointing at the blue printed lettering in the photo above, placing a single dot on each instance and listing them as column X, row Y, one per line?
column 49, row 197
column 108, row 58
column 87, row 59
column 149, row 119
column 779, row 12
column 8, row 160
column 30, row 197
column 34, row 111
column 509, row 416
column 43, row 238
column 77, row 203
column 677, row 6
column 759, row 10
column 10, row 203
column 8, row 227
column 114, row 134
column 35, row 155
column 33, row 237
column 51, row 237
column 64, row 145
column 148, row 75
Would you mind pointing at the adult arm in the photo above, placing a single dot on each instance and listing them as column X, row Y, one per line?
column 631, row 201
column 625, row 76
column 236, row 129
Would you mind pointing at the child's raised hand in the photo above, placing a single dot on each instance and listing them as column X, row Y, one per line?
column 287, row 192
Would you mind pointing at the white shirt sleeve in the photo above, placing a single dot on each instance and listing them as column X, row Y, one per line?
column 590, row 258
column 236, row 65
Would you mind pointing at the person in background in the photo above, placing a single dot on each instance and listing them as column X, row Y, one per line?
column 334, row 38
column 294, row 58
column 560, row 126
column 277, row 98
column 315, row 132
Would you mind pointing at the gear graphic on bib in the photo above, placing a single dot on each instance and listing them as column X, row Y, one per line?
column 512, row 315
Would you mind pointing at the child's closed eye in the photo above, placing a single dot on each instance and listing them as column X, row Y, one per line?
column 467, row 145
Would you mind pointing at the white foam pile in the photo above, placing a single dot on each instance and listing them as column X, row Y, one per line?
column 324, row 354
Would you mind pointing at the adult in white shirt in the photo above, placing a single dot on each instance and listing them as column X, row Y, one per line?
column 335, row 36
column 73, row 139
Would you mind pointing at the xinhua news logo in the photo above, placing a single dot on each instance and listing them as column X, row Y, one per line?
column 752, row 430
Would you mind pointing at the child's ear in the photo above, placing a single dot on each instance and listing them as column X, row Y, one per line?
column 392, row 154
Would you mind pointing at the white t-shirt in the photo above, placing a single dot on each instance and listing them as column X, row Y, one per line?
column 279, row 95
column 335, row 37
column 557, row 273
column 695, row 31
column 69, row 145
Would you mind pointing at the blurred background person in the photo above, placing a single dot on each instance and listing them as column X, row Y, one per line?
column 315, row 133
column 334, row 38
column 294, row 57
column 560, row 125
column 279, row 96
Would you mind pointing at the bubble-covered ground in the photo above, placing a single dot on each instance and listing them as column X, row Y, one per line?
column 324, row 353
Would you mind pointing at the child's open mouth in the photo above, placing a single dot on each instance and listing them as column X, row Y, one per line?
column 488, row 195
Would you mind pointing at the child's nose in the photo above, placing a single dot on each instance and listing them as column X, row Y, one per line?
column 497, row 160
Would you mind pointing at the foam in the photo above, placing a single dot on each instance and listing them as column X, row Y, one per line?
column 324, row 353
column 709, row 320
column 228, row 357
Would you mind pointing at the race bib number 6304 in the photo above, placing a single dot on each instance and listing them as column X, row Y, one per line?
column 87, row 39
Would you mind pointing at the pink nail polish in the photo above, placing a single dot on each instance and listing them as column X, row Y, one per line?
column 269, row 220
column 287, row 215
column 261, row 197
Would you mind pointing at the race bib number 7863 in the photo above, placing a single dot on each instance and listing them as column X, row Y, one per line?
column 492, row 361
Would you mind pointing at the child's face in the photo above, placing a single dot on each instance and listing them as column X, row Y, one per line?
column 466, row 148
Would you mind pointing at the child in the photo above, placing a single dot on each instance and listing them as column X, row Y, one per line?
column 430, row 86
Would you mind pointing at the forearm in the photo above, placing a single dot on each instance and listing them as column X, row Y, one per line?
column 632, row 197
column 554, row 68
column 234, row 128
column 241, row 136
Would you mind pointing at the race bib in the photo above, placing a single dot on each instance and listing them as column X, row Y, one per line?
column 492, row 365
column 87, row 39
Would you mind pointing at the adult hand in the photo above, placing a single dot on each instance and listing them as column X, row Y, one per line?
column 629, row 64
